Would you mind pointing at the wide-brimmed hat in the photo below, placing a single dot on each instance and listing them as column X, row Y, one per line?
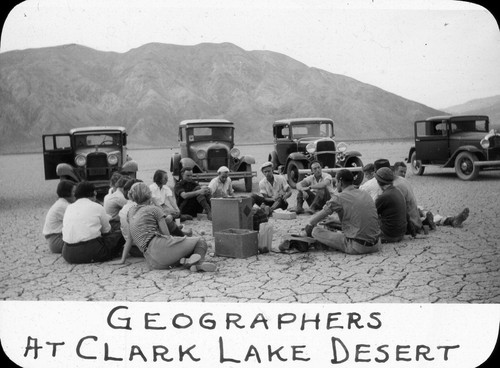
column 382, row 162
column 384, row 175
column 223, row 169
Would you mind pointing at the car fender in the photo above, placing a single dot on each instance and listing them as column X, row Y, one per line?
column 66, row 170
column 352, row 154
column 468, row 148
column 296, row 156
column 130, row 166
column 247, row 159
column 189, row 162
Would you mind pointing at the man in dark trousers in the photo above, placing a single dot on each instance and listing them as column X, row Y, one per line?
column 191, row 197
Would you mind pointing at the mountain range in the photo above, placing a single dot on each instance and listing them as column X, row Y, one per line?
column 150, row 89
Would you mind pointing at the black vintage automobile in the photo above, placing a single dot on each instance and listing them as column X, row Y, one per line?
column 463, row 142
column 207, row 144
column 91, row 153
column 298, row 142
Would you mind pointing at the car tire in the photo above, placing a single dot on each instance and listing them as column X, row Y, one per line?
column 464, row 166
column 248, row 181
column 416, row 165
column 292, row 173
column 358, row 175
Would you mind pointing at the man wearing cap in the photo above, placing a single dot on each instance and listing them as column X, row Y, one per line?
column 358, row 217
column 368, row 172
column 315, row 189
column 274, row 189
column 221, row 186
column 391, row 208
column 371, row 186
column 191, row 197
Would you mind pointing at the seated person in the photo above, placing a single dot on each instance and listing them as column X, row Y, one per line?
column 86, row 231
column 114, row 202
column 147, row 228
column 52, row 228
column 315, row 189
column 163, row 197
column 221, row 186
column 274, row 190
column 368, row 172
column 391, row 208
column 371, row 186
column 191, row 197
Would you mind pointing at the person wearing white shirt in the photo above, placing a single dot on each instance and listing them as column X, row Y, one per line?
column 163, row 197
column 52, row 228
column 371, row 186
column 114, row 202
column 274, row 190
column 86, row 231
column 315, row 189
column 221, row 186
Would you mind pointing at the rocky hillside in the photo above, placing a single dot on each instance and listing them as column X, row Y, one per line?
column 149, row 90
column 483, row 106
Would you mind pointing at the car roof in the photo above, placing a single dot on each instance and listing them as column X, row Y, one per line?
column 206, row 121
column 96, row 128
column 301, row 120
column 459, row 117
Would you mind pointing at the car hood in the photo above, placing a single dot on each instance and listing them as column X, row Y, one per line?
column 107, row 150
column 209, row 145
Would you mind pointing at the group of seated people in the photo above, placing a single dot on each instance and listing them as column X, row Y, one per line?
column 140, row 220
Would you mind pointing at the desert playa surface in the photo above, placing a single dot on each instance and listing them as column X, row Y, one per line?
column 449, row 265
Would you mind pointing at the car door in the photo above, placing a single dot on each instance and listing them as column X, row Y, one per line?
column 56, row 149
column 431, row 141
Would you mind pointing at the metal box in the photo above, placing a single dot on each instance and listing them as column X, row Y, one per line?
column 232, row 213
column 236, row 243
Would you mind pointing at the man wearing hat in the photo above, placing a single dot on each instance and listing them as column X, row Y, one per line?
column 391, row 207
column 274, row 189
column 371, row 186
column 358, row 217
column 221, row 186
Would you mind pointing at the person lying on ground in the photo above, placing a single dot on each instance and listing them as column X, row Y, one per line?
column 358, row 216
column 86, row 231
column 148, row 230
column 274, row 190
column 315, row 189
column 52, row 228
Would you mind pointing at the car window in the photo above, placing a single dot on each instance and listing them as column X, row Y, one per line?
column 57, row 142
column 469, row 126
column 312, row 130
column 210, row 134
column 97, row 140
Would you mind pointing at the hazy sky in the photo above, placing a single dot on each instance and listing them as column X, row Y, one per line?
column 436, row 52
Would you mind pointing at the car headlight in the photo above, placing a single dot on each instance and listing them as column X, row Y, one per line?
column 80, row 160
column 311, row 147
column 112, row 159
column 235, row 152
column 341, row 147
column 485, row 143
column 201, row 154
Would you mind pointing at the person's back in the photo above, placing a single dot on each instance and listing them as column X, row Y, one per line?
column 391, row 208
column 411, row 202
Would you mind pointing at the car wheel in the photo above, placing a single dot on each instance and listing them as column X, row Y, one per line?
column 248, row 181
column 416, row 165
column 358, row 175
column 464, row 166
column 292, row 172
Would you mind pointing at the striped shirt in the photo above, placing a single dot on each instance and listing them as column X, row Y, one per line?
column 144, row 224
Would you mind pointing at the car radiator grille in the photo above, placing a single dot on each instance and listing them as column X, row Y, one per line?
column 325, row 146
column 97, row 166
column 326, row 159
column 217, row 158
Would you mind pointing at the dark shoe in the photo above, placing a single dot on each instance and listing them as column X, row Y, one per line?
column 205, row 267
column 192, row 260
column 185, row 218
column 462, row 216
column 430, row 220
column 298, row 210
column 308, row 229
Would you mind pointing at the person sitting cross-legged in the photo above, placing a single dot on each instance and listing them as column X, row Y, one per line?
column 86, row 231
column 315, row 189
column 221, row 186
column 274, row 190
column 163, row 197
column 358, row 216
column 191, row 197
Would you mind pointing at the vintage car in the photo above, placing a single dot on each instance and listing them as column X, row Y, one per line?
column 207, row 144
column 92, row 154
column 298, row 142
column 463, row 142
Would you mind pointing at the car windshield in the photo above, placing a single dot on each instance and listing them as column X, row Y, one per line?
column 107, row 139
column 312, row 129
column 210, row 134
